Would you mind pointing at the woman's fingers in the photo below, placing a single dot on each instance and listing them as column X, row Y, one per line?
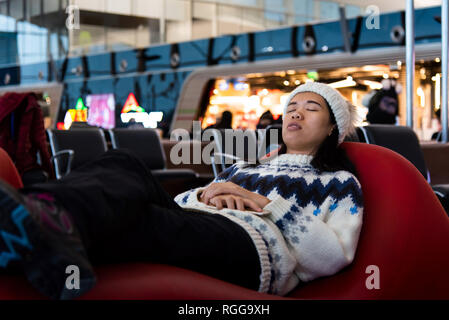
column 240, row 204
column 230, row 202
column 234, row 202
column 218, row 188
column 217, row 202
column 213, row 191
column 251, row 204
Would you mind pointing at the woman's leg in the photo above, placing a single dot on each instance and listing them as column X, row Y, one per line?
column 101, row 195
column 36, row 232
column 123, row 214
column 127, row 216
column 206, row 243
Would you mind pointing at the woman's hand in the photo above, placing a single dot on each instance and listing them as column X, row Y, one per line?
column 230, row 188
column 234, row 202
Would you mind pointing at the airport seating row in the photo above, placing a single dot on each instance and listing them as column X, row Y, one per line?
column 403, row 244
column 72, row 148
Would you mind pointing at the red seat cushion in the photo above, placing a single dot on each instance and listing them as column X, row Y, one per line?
column 405, row 233
column 8, row 171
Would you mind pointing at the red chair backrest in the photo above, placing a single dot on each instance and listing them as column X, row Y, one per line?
column 405, row 233
column 8, row 171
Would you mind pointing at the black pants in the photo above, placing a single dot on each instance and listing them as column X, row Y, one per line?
column 124, row 215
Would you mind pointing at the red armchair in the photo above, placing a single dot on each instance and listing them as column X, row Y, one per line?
column 405, row 234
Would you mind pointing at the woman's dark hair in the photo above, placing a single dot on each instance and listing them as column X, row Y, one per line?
column 329, row 156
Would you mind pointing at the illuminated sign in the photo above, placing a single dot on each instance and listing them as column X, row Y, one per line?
column 132, row 110
column 101, row 110
column 79, row 114
column 131, row 105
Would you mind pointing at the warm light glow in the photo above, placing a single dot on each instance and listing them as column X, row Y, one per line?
column 385, row 76
column 297, row 82
column 348, row 82
column 437, row 79
column 213, row 109
column 228, row 100
column 266, row 101
column 277, row 109
column 253, row 102
column 421, row 95
column 68, row 118
column 374, row 85
column 264, row 92
column 354, row 97
column 216, row 91
column 286, row 83
column 437, row 59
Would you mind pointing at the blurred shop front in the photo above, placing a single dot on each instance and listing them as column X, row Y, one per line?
column 248, row 96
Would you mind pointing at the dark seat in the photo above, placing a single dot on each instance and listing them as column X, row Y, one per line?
column 356, row 136
column 146, row 144
column 232, row 146
column 71, row 149
column 404, row 141
column 400, row 139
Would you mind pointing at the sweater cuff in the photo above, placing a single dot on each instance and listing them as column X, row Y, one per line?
column 278, row 208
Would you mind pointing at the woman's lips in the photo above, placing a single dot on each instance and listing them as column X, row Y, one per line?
column 294, row 126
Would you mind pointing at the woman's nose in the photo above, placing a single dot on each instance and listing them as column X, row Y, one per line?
column 297, row 115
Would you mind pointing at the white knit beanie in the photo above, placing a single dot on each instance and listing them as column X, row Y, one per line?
column 345, row 113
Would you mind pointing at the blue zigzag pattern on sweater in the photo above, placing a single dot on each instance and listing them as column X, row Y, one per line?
column 305, row 193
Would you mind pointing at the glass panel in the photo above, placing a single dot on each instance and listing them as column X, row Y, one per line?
column 3, row 7
column 51, row 5
column 88, row 39
column 34, row 7
column 16, row 8
column 154, row 31
column 329, row 11
column 303, row 11
column 353, row 11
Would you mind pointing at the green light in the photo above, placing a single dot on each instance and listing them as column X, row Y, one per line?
column 312, row 75
column 80, row 105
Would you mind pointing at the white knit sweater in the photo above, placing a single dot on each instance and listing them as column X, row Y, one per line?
column 315, row 219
